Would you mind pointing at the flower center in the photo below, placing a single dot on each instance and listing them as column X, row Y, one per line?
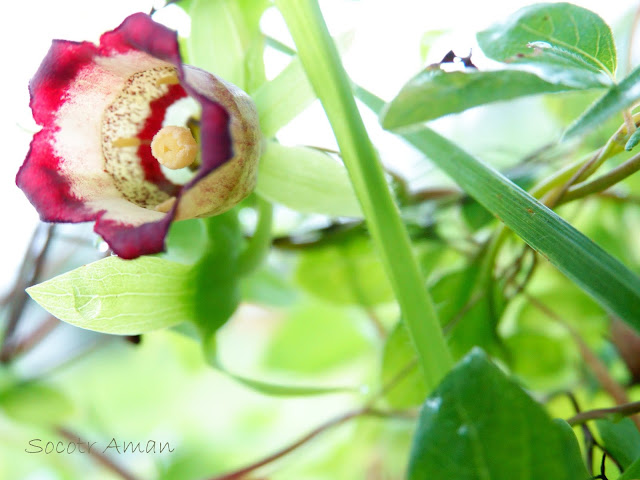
column 174, row 147
column 128, row 127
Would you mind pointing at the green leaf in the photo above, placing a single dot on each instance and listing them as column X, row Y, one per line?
column 400, row 369
column 434, row 93
column 634, row 139
column 621, row 440
column 223, row 35
column 603, row 277
column 283, row 98
column 327, row 75
column 565, row 43
column 427, row 40
column 315, row 338
column 632, row 473
column 35, row 403
column 280, row 390
column 478, row 424
column 618, row 98
column 215, row 277
column 355, row 273
column 125, row 297
column 306, row 180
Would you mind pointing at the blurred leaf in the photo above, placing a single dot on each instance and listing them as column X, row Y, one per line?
column 315, row 338
column 400, row 367
column 268, row 287
column 306, row 180
column 453, row 290
column 541, row 358
column 476, row 326
column 464, row 423
column 186, row 241
column 603, row 277
column 345, row 273
column 632, row 473
column 564, row 43
column 125, row 297
column 621, row 440
column 35, row 403
column 618, row 98
column 280, row 390
column 434, row 93
column 215, row 276
column 222, row 34
column 427, row 40
column 283, row 98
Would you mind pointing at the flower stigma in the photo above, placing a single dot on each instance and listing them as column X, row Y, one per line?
column 174, row 147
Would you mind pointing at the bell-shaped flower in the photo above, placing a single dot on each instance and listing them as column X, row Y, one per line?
column 105, row 151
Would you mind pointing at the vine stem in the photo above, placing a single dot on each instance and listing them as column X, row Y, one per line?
column 99, row 457
column 334, row 422
column 328, row 78
column 260, row 244
column 619, row 411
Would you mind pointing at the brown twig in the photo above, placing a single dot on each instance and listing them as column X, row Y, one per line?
column 366, row 411
column 613, row 388
column 626, row 410
column 29, row 272
column 35, row 337
column 98, row 456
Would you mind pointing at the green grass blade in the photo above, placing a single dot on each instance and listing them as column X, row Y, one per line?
column 599, row 274
column 619, row 97
column 324, row 69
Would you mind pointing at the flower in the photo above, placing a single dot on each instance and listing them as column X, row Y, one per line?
column 101, row 108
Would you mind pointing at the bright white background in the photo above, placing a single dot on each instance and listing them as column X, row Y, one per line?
column 384, row 53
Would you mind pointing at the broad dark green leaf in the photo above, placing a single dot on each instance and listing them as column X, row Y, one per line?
column 434, row 93
column 618, row 98
column 566, row 44
column 125, row 297
column 621, row 440
column 346, row 273
column 400, row 369
column 478, row 424
column 632, row 473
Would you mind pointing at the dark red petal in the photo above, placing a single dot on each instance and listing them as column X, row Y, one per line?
column 216, row 145
column 140, row 32
column 47, row 190
column 59, row 68
column 129, row 241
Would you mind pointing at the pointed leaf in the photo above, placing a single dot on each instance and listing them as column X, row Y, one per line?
column 306, row 180
column 621, row 439
column 563, row 42
column 478, row 424
column 283, row 98
column 618, row 98
column 125, row 297
column 434, row 93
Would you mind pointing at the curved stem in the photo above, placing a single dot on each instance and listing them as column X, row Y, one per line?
column 260, row 244
column 100, row 457
column 243, row 472
column 326, row 74
column 614, row 176
column 619, row 411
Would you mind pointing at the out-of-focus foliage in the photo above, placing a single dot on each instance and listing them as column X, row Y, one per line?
column 262, row 326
